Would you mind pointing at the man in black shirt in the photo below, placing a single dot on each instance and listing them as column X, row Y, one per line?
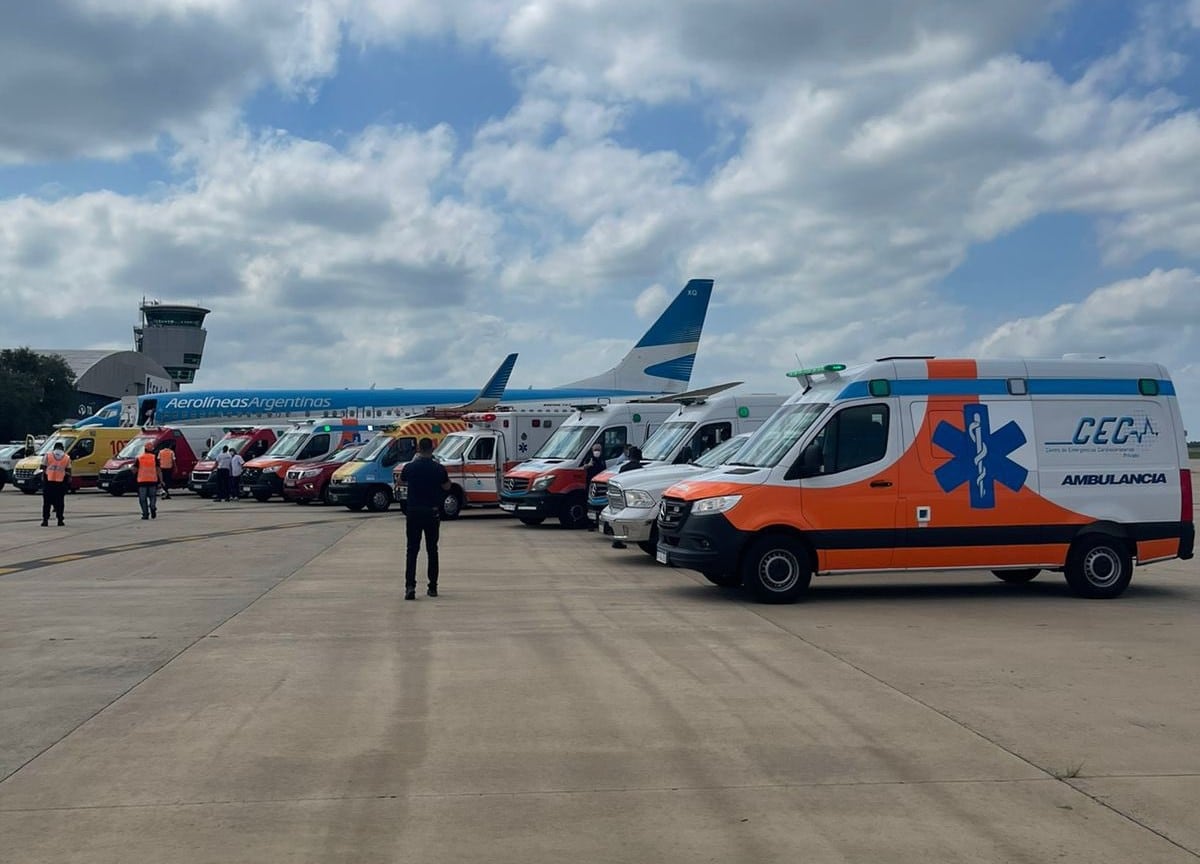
column 427, row 483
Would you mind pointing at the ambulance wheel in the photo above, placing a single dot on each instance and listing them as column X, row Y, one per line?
column 574, row 512
column 1016, row 577
column 115, row 492
column 532, row 520
column 1099, row 567
column 203, row 493
column 379, row 500
column 354, row 508
column 650, row 547
column 262, row 496
column 325, row 496
column 25, row 491
column 776, row 569
column 452, row 505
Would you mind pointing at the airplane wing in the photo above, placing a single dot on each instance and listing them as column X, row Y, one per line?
column 692, row 395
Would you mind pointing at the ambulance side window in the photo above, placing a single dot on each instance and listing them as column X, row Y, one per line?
column 854, row 437
column 483, row 450
column 709, row 437
column 612, row 441
column 316, row 446
column 83, row 448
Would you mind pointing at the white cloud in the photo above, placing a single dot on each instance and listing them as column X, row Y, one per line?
column 652, row 301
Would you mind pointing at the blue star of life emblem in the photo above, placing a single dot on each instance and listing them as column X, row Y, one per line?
column 980, row 456
column 522, row 447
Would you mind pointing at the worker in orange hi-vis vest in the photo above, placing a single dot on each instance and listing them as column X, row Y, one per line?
column 166, row 464
column 148, row 478
column 56, row 477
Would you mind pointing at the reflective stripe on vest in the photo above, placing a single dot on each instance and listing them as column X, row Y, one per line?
column 56, row 466
column 147, row 469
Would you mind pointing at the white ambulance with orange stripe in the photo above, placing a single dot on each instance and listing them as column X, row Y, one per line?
column 1015, row 466
column 477, row 458
column 366, row 480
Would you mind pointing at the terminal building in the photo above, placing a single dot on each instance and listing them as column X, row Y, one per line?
column 169, row 345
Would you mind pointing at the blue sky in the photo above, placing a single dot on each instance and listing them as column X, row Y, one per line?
column 379, row 192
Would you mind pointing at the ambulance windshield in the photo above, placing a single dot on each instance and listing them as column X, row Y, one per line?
column 453, row 447
column 779, row 434
column 663, row 443
column 722, row 453
column 235, row 445
column 288, row 445
column 567, row 443
column 135, row 447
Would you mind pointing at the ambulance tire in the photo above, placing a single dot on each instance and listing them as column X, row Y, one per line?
column 2, row 482
column 379, row 500
column 1016, row 577
column 574, row 511
column 776, row 569
column 650, row 547
column 532, row 520
column 452, row 505
column 326, row 497
column 25, row 490
column 1099, row 566
column 354, row 508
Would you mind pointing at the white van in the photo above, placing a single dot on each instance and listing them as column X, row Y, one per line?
column 1014, row 466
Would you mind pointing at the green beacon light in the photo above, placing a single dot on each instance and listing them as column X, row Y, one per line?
column 818, row 370
column 743, row 412
column 326, row 428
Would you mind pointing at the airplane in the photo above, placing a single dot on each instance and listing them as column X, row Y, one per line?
column 659, row 364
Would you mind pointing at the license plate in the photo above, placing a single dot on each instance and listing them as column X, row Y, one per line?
column 593, row 516
column 510, row 508
column 102, row 485
column 662, row 557
column 291, row 481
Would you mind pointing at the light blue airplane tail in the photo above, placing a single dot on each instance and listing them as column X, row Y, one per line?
column 661, row 362
column 492, row 392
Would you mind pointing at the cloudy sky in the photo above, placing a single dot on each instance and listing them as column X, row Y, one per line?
column 400, row 192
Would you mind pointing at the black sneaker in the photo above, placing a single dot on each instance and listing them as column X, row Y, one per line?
column 154, row 514
column 45, row 524
column 145, row 517
column 61, row 522
column 432, row 592
column 410, row 595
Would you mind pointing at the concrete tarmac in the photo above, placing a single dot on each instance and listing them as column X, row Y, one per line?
column 244, row 683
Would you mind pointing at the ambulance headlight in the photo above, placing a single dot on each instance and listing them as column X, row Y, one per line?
column 349, row 478
column 541, row 484
column 638, row 498
column 716, row 505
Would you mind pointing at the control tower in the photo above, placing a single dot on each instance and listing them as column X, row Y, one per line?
column 173, row 336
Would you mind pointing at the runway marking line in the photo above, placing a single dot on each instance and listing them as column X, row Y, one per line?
column 38, row 563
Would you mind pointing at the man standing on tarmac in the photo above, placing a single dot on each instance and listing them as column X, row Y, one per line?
column 236, row 466
column 224, row 465
column 166, row 464
column 55, row 477
column 148, row 478
column 427, row 482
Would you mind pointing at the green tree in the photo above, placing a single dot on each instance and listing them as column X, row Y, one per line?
column 36, row 391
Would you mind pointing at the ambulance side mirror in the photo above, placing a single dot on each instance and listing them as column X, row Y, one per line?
column 809, row 464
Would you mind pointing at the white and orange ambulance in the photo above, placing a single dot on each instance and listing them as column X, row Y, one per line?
column 1014, row 466
column 497, row 441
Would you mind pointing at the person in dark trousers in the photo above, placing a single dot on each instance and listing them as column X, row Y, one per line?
column 633, row 463
column 166, row 466
column 594, row 464
column 428, row 484
column 224, row 468
column 149, row 478
column 55, row 480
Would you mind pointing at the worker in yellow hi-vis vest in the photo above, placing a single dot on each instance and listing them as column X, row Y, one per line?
column 148, row 478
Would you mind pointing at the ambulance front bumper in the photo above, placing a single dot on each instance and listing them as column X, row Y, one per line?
column 541, row 505
column 708, row 544
column 348, row 494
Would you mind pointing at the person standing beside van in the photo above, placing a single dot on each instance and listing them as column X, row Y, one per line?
column 592, row 466
column 148, row 479
column 236, row 466
column 428, row 484
column 224, row 468
column 56, row 475
column 166, row 465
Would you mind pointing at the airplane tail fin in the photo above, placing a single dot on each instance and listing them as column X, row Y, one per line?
column 662, row 360
column 489, row 397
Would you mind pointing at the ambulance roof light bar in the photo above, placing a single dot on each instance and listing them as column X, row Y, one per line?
column 829, row 370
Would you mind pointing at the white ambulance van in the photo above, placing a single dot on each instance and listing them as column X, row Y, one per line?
column 1014, row 466
column 477, row 458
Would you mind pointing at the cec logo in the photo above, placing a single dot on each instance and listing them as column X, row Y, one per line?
column 1113, row 430
column 981, row 456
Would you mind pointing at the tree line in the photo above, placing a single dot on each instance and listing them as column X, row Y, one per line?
column 37, row 391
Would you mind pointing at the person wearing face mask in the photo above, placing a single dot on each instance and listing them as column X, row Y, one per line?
column 593, row 465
